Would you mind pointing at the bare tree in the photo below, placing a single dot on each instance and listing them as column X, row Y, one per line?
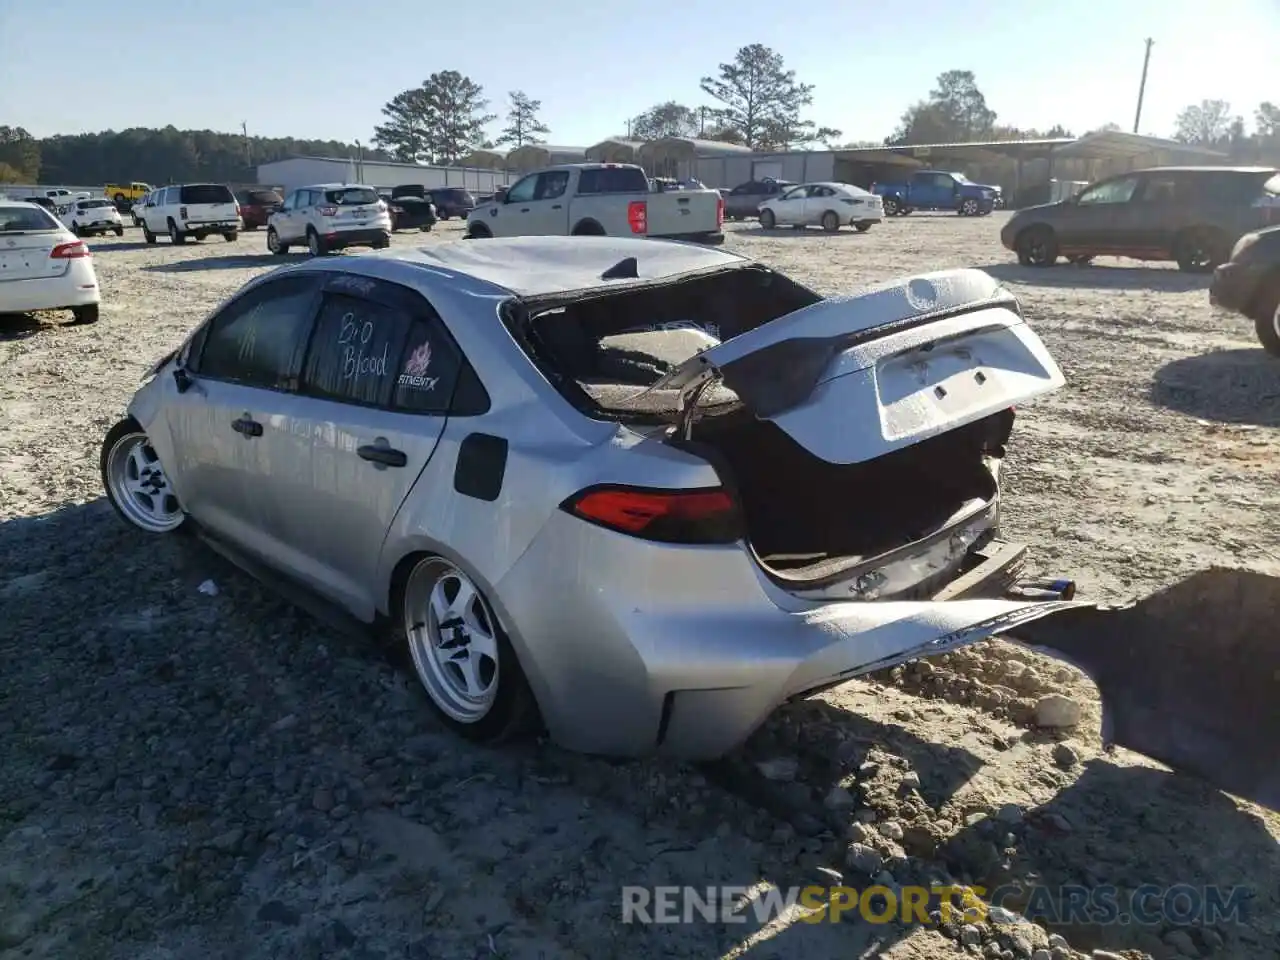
column 1207, row 122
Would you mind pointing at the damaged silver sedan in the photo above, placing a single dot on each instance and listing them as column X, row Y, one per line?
column 639, row 492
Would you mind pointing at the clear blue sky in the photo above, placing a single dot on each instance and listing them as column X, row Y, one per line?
column 323, row 68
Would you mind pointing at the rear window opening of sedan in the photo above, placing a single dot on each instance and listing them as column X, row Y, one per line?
column 197, row 193
column 94, row 204
column 809, row 522
column 351, row 196
column 24, row 219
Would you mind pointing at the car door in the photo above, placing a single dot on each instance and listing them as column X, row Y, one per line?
column 508, row 217
column 241, row 458
column 153, row 212
column 377, row 380
column 818, row 202
column 1088, row 224
column 1147, row 224
column 547, row 215
column 790, row 206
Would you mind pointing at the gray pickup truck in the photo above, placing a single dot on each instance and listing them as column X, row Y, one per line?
column 599, row 199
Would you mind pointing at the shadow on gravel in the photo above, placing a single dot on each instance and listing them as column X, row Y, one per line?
column 787, row 233
column 1119, row 859
column 18, row 326
column 1230, row 386
column 232, row 261
column 123, row 247
column 1099, row 277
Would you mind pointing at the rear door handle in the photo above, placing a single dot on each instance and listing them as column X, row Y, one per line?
column 524, row 209
column 248, row 426
column 385, row 456
column 556, row 206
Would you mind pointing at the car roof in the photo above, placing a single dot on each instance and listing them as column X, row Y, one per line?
column 333, row 186
column 540, row 266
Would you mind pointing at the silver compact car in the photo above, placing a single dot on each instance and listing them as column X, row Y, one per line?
column 639, row 491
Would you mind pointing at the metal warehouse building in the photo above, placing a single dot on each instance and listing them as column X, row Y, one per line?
column 300, row 171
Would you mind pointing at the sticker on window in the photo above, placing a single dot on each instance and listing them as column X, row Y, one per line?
column 416, row 367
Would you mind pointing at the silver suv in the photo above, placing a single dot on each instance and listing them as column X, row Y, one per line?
column 330, row 216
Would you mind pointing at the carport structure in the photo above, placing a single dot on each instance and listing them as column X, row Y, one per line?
column 678, row 156
column 613, row 150
column 484, row 159
column 534, row 156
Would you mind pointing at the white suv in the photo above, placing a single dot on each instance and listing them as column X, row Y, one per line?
column 87, row 217
column 330, row 216
column 194, row 210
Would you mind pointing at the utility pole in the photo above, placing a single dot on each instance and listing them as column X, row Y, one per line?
column 702, row 120
column 248, row 154
column 1142, row 87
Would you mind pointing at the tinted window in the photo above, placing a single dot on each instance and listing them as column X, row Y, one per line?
column 552, row 185
column 613, row 180
column 93, row 204
column 255, row 340
column 355, row 350
column 261, row 197
column 25, row 219
column 426, row 379
column 1232, row 188
column 523, row 190
column 205, row 193
column 1113, row 191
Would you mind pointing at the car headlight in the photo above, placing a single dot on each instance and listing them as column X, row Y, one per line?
column 1243, row 244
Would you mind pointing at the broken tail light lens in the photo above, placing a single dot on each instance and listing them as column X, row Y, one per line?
column 704, row 515
column 69, row 251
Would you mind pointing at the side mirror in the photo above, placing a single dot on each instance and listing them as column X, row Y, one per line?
column 182, row 379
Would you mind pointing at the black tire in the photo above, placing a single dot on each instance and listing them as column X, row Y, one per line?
column 1081, row 259
column 274, row 244
column 315, row 245
column 147, row 235
column 86, row 314
column 119, row 231
column 831, row 221
column 426, row 228
column 382, row 244
column 478, row 231
column 1267, row 316
column 514, row 712
column 231, row 236
column 176, row 236
column 862, row 226
column 251, row 226
column 906, row 211
column 767, row 219
column 1200, row 250
column 892, row 207
column 588, row 228
column 1037, row 247
column 125, row 428
column 77, row 229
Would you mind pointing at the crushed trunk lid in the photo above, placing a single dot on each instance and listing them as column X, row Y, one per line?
column 853, row 378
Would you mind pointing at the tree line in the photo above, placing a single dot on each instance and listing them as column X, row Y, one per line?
column 753, row 100
column 154, row 156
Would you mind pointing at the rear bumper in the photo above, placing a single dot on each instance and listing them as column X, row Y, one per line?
column 77, row 288
column 357, row 238
column 692, row 648
column 211, row 226
column 1235, row 286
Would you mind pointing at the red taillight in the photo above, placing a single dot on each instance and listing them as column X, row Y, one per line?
column 182, row 213
column 719, row 211
column 70, row 251
column 638, row 216
column 327, row 211
column 708, row 515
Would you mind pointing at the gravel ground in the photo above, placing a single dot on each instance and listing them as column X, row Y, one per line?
column 189, row 775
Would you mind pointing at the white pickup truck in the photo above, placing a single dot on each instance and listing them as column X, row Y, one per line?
column 598, row 199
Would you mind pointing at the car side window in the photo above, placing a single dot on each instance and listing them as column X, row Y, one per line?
column 797, row 194
column 1111, row 191
column 822, row 192
column 429, row 372
column 1160, row 190
column 355, row 350
column 523, row 190
column 257, row 338
column 552, row 185
column 741, row 190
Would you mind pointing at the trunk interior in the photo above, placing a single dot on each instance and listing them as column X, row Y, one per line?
column 808, row 520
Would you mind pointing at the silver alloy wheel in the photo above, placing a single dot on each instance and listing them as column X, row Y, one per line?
column 970, row 206
column 313, row 243
column 273, row 241
column 1275, row 320
column 453, row 640
column 139, row 485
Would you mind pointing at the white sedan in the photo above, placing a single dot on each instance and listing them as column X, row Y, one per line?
column 87, row 217
column 43, row 265
column 828, row 205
